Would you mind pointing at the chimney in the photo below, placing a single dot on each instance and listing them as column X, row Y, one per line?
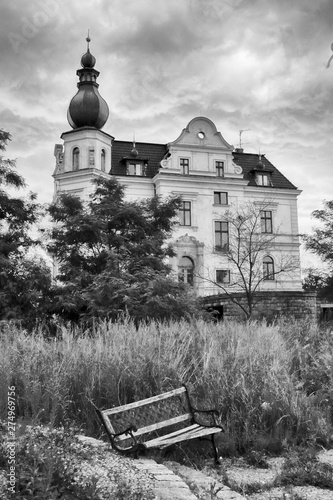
column 239, row 150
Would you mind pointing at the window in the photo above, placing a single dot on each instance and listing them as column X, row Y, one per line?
column 91, row 157
column 220, row 198
column 135, row 168
column 268, row 268
column 103, row 160
column 76, row 159
column 184, row 166
column 219, row 165
column 186, row 270
column 221, row 236
column 185, row 213
column 263, row 180
column 266, row 221
column 222, row 276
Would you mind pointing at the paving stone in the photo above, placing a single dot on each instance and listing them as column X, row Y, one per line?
column 174, row 494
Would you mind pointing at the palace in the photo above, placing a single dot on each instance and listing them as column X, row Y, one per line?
column 208, row 174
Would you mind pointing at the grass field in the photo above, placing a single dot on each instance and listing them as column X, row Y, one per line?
column 273, row 384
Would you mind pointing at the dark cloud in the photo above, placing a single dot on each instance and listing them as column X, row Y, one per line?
column 245, row 64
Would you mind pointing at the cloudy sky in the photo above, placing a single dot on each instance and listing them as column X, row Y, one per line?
column 245, row 64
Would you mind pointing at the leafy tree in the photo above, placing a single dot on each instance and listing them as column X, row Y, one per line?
column 320, row 281
column 23, row 280
column 248, row 244
column 321, row 239
column 112, row 256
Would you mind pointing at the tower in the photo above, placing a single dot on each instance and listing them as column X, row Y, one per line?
column 86, row 150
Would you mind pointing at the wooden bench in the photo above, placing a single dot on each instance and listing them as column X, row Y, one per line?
column 158, row 422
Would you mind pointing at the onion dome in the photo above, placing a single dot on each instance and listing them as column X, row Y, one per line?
column 87, row 108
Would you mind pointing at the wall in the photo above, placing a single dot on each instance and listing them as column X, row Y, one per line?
column 271, row 304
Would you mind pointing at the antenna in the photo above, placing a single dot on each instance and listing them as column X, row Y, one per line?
column 240, row 135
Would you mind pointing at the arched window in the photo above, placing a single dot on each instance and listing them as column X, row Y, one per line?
column 103, row 160
column 268, row 268
column 91, row 157
column 186, row 270
column 76, row 159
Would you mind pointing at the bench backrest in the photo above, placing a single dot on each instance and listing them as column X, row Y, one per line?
column 148, row 415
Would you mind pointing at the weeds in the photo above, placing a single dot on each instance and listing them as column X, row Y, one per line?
column 272, row 384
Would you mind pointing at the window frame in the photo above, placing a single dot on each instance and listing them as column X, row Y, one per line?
column 76, row 159
column 260, row 176
column 103, row 160
column 225, row 279
column 184, row 164
column 217, row 198
column 186, row 273
column 91, row 157
column 219, row 168
column 185, row 210
column 219, row 245
column 266, row 222
column 268, row 268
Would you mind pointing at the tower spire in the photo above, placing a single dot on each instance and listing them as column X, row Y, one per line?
column 87, row 108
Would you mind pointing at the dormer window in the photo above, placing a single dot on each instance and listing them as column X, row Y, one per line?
column 263, row 179
column 135, row 168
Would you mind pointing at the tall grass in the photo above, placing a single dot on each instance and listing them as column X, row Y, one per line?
column 272, row 384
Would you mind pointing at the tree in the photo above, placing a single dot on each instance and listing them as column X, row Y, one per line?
column 23, row 280
column 113, row 256
column 251, row 242
column 321, row 239
column 319, row 281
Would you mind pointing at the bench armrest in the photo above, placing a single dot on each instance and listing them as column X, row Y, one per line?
column 128, row 448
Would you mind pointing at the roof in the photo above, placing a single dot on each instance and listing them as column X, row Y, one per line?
column 154, row 153
column 249, row 162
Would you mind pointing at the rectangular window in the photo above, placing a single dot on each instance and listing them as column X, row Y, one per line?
column 263, row 180
column 266, row 221
column 220, row 198
column 185, row 213
column 219, row 165
column 134, row 169
column 184, row 166
column 222, row 276
column 221, row 236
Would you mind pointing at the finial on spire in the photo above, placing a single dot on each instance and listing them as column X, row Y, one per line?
column 134, row 152
column 88, row 40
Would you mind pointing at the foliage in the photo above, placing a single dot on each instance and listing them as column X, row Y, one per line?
column 321, row 239
column 248, row 245
column 302, row 468
column 52, row 463
column 112, row 256
column 320, row 281
column 23, row 280
column 272, row 384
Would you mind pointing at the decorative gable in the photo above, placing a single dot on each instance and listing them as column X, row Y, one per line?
column 201, row 133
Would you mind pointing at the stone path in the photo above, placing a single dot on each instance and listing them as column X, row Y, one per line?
column 184, row 484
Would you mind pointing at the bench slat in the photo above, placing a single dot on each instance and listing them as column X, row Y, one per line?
column 144, row 402
column 159, row 425
column 165, row 441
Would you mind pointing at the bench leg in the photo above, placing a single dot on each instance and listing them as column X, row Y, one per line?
column 216, row 451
